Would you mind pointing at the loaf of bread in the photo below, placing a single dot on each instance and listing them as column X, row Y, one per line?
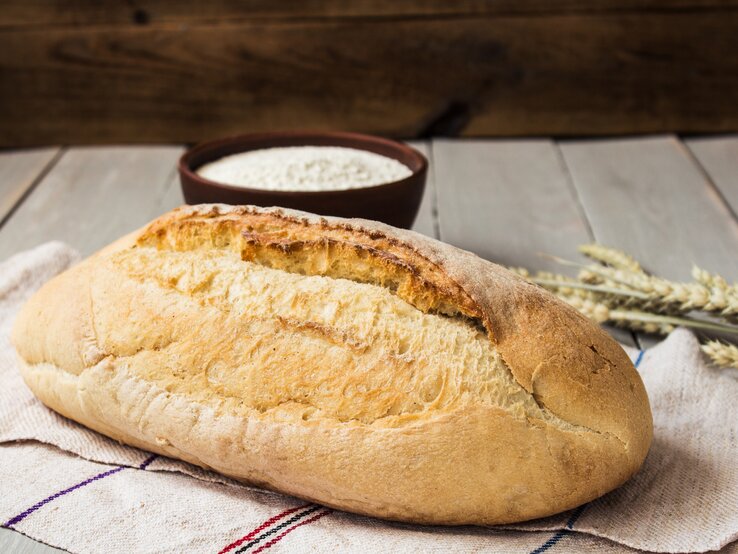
column 345, row 362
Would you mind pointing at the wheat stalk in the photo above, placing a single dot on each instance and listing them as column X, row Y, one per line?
column 668, row 296
column 618, row 291
column 613, row 296
column 608, row 295
column 601, row 313
column 637, row 320
column 686, row 296
column 721, row 353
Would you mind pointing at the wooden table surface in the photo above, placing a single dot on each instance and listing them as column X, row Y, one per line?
column 667, row 201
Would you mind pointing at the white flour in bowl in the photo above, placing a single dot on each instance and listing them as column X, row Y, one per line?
column 305, row 168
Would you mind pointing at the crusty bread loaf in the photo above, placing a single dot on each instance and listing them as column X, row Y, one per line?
column 342, row 361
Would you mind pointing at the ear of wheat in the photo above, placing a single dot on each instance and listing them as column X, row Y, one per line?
column 617, row 290
column 670, row 296
column 610, row 256
column 721, row 353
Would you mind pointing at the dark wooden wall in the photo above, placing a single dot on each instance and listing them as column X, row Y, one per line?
column 155, row 70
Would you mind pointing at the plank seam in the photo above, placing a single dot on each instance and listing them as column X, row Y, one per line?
column 34, row 183
column 581, row 209
column 571, row 185
column 170, row 181
column 685, row 148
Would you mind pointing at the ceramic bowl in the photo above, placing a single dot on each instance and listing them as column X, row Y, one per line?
column 395, row 203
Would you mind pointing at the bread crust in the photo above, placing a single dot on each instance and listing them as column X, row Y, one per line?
column 469, row 464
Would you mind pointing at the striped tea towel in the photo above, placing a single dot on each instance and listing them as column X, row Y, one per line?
column 72, row 488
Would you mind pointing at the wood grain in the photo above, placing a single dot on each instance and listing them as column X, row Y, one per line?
column 142, row 12
column 19, row 170
column 509, row 202
column 598, row 73
column 719, row 158
column 93, row 196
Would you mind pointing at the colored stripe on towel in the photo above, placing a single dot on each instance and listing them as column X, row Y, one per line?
column 23, row 515
column 578, row 512
column 279, row 537
column 560, row 534
column 269, row 532
column 261, row 527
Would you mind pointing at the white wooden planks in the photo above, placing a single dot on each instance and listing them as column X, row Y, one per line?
column 93, row 196
column 19, row 171
column 719, row 158
column 427, row 220
column 648, row 197
column 508, row 201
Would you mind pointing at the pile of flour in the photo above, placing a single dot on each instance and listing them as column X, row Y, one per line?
column 305, row 168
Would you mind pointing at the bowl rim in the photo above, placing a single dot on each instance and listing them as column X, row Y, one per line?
column 184, row 165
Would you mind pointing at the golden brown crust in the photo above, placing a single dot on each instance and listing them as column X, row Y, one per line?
column 470, row 462
column 553, row 351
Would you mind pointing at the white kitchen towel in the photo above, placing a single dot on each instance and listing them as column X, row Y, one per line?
column 72, row 488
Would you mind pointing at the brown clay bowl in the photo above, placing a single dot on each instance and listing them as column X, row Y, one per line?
column 395, row 203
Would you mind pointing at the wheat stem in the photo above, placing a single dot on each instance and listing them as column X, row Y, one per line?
column 665, row 295
column 675, row 321
column 550, row 284
column 638, row 320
